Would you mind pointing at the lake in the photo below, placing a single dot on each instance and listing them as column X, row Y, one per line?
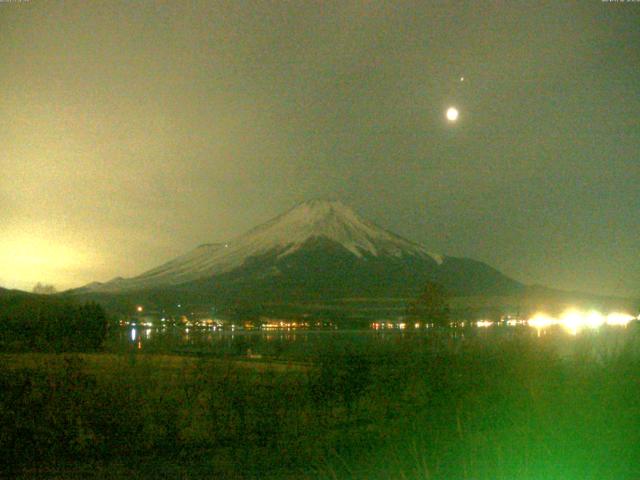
column 302, row 344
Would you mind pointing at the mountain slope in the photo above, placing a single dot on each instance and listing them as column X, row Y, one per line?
column 279, row 237
column 314, row 250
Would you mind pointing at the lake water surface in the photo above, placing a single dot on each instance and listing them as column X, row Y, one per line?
column 301, row 344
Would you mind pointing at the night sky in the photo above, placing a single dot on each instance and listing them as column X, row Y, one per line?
column 130, row 132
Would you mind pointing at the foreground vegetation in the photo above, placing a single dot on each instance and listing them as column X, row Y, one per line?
column 498, row 408
column 43, row 323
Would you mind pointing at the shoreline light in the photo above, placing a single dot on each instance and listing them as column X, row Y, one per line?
column 617, row 318
column 574, row 320
column 541, row 321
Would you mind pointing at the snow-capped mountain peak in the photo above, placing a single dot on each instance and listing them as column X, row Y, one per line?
column 334, row 221
column 282, row 236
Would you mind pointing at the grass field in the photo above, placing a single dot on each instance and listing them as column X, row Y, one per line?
column 508, row 408
column 97, row 363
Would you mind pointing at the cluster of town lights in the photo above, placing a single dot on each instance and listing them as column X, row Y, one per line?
column 575, row 320
column 571, row 320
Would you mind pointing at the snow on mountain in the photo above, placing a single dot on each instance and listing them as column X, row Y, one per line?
column 333, row 221
column 283, row 235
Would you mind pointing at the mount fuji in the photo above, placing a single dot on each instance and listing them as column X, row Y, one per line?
column 317, row 250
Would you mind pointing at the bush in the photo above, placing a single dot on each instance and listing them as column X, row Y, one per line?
column 491, row 409
column 36, row 323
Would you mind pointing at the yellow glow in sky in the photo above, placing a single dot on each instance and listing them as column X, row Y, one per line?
column 28, row 258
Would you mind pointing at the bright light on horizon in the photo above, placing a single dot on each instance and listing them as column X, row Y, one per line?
column 574, row 320
column 617, row 318
column 541, row 321
column 484, row 323
column 594, row 319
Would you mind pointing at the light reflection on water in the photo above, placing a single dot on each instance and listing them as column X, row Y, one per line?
column 300, row 343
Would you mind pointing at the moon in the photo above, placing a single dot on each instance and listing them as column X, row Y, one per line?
column 452, row 114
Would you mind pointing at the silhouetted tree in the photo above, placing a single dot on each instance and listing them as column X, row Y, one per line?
column 44, row 289
column 431, row 306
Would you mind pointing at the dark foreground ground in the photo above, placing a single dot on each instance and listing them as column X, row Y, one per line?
column 503, row 408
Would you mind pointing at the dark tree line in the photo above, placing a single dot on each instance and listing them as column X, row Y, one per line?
column 431, row 306
column 44, row 289
column 36, row 323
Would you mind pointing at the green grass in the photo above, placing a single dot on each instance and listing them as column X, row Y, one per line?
column 496, row 408
column 98, row 363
